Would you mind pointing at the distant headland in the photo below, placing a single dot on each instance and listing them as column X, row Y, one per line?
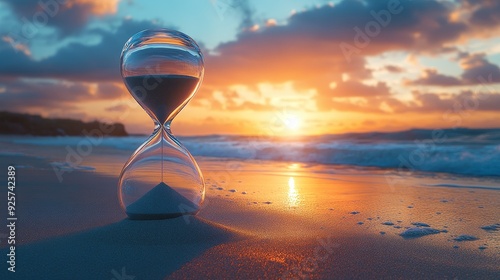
column 26, row 124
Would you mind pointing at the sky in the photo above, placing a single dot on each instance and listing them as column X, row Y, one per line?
column 271, row 67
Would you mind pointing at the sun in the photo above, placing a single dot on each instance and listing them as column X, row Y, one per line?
column 292, row 122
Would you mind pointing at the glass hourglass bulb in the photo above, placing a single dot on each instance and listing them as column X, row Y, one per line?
column 162, row 69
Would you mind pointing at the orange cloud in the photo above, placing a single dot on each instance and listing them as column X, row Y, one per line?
column 97, row 7
column 307, row 52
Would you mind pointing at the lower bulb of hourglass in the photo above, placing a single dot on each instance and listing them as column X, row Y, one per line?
column 161, row 180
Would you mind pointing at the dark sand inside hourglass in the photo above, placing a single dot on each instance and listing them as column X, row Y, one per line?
column 161, row 94
column 159, row 203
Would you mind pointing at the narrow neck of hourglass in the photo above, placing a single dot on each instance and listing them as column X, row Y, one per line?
column 165, row 126
column 165, row 131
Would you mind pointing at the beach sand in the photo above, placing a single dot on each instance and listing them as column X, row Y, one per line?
column 260, row 220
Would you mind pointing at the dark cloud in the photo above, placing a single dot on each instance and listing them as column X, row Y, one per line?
column 68, row 16
column 477, row 70
column 49, row 94
column 432, row 77
column 118, row 108
column 75, row 61
column 458, row 103
column 485, row 13
column 414, row 25
column 394, row 69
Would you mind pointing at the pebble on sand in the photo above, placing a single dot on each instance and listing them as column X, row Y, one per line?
column 418, row 224
column 465, row 237
column 493, row 227
column 418, row 232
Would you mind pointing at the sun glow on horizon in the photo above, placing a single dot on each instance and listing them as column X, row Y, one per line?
column 292, row 122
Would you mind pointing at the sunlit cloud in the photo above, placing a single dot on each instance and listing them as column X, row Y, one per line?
column 16, row 45
column 271, row 22
column 96, row 7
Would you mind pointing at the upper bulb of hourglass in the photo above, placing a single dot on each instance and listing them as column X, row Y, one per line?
column 162, row 70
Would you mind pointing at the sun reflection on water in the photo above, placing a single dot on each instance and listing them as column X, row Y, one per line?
column 293, row 195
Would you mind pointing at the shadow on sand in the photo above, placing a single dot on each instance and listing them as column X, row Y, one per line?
column 144, row 249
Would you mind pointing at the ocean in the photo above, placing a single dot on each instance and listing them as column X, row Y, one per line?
column 469, row 152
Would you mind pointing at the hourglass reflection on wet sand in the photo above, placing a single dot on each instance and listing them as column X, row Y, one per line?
column 162, row 69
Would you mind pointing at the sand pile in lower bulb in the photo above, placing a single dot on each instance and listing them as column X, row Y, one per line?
column 161, row 202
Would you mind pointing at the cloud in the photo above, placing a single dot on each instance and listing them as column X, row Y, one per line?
column 484, row 13
column 27, row 94
column 462, row 104
column 457, row 103
column 477, row 70
column 67, row 16
column 394, row 69
column 476, row 66
column 246, row 11
column 17, row 46
column 352, row 95
column 357, row 89
column 432, row 77
column 76, row 61
column 307, row 52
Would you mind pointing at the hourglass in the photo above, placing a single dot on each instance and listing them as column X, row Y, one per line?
column 162, row 69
